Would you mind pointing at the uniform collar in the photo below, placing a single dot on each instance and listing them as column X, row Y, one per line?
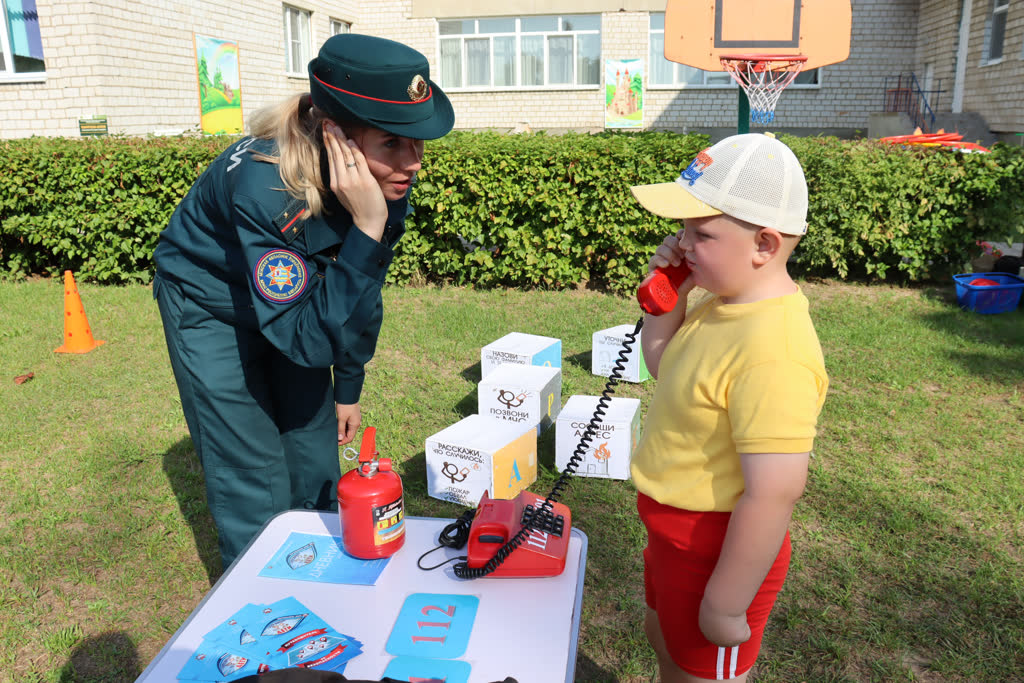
column 324, row 232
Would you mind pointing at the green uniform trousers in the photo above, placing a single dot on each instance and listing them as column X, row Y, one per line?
column 264, row 428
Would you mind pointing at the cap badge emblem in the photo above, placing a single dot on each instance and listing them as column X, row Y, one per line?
column 696, row 168
column 418, row 89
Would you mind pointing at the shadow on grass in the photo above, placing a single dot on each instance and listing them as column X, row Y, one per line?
column 473, row 373
column 106, row 657
column 467, row 405
column 588, row 671
column 898, row 587
column 581, row 360
column 1001, row 329
column 185, row 474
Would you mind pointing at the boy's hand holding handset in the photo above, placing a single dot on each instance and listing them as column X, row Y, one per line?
column 353, row 184
column 668, row 271
column 669, row 254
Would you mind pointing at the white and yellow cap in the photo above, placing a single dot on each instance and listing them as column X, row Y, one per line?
column 752, row 177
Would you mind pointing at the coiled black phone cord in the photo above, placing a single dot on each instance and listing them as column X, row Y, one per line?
column 462, row 569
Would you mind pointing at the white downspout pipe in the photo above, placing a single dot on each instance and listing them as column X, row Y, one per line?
column 961, row 58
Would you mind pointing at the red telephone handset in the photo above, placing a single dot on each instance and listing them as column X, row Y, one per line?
column 658, row 293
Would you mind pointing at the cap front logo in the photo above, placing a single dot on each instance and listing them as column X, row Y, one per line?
column 696, row 168
column 418, row 89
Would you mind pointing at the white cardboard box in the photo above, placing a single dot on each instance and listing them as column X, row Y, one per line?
column 478, row 454
column 608, row 345
column 529, row 395
column 523, row 349
column 609, row 451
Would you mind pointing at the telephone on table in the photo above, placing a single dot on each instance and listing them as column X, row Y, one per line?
column 528, row 536
column 496, row 522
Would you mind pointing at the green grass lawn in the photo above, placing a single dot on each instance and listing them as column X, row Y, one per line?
column 907, row 544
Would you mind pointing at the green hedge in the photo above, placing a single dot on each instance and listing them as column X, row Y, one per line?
column 524, row 210
column 537, row 210
column 95, row 206
column 912, row 213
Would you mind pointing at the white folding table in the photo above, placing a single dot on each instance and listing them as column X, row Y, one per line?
column 524, row 628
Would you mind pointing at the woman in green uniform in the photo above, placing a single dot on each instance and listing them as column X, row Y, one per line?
column 269, row 278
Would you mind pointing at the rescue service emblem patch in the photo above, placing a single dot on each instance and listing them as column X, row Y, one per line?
column 280, row 276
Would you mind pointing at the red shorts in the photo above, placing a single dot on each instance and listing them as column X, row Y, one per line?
column 682, row 550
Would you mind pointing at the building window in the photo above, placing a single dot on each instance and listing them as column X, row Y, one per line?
column 520, row 52
column 296, row 40
column 671, row 74
column 996, row 30
column 339, row 26
column 21, row 47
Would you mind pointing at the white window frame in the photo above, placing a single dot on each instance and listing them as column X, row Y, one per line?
column 7, row 73
column 289, row 14
column 1000, row 12
column 340, row 26
column 518, row 34
column 678, row 69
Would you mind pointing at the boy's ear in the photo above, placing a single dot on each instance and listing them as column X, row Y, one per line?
column 767, row 245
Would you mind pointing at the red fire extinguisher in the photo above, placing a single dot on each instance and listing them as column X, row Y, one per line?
column 370, row 505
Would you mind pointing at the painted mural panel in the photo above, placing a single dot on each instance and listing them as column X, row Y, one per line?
column 624, row 93
column 220, row 93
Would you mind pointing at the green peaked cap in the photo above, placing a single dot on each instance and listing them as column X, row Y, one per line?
column 379, row 82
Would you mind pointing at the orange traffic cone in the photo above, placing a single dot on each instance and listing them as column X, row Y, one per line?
column 77, row 335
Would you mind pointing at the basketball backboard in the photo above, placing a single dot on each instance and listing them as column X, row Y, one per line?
column 699, row 32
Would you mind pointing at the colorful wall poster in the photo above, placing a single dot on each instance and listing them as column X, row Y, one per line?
column 624, row 93
column 220, row 92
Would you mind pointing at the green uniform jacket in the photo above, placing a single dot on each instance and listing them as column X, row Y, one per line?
column 243, row 249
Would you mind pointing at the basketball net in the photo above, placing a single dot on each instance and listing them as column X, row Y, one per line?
column 763, row 78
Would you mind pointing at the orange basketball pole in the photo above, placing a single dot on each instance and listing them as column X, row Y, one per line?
column 77, row 335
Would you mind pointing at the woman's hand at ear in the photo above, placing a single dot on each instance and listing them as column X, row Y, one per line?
column 353, row 185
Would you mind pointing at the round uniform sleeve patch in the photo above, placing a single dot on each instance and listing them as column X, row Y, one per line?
column 280, row 276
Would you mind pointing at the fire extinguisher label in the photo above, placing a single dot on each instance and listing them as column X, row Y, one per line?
column 388, row 522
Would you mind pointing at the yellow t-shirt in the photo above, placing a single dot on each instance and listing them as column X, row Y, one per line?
column 735, row 378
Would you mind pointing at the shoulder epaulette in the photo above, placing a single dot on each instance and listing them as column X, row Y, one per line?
column 290, row 222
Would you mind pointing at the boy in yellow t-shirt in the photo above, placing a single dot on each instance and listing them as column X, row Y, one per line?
column 728, row 434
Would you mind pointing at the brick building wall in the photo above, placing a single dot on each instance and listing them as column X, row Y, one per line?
column 937, row 40
column 995, row 89
column 135, row 62
column 883, row 42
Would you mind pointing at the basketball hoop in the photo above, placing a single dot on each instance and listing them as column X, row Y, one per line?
column 763, row 77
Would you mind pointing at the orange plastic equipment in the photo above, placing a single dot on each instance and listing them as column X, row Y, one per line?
column 77, row 335
column 939, row 139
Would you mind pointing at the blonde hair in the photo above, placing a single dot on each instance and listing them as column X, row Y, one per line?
column 296, row 126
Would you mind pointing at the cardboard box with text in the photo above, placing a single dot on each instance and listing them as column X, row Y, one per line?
column 529, row 395
column 478, row 454
column 608, row 452
column 522, row 349
column 607, row 344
